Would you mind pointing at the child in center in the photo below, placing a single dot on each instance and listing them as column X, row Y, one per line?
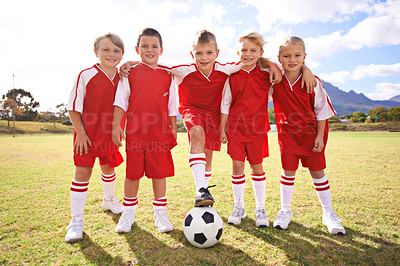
column 244, row 125
column 302, row 123
column 149, row 98
column 200, row 85
column 90, row 109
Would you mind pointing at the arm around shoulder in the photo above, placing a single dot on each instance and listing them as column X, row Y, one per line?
column 308, row 80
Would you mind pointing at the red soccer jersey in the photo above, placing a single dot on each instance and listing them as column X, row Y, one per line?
column 93, row 96
column 201, row 94
column 297, row 113
column 148, row 125
column 248, row 111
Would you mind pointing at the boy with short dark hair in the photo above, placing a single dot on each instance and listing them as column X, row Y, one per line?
column 149, row 98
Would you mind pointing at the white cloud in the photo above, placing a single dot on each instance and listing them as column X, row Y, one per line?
column 362, row 72
column 336, row 77
column 384, row 91
column 287, row 11
column 381, row 27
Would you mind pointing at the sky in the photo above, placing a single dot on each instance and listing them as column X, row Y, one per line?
column 353, row 44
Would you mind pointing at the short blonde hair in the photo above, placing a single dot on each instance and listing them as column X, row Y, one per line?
column 115, row 39
column 293, row 40
column 204, row 37
column 254, row 37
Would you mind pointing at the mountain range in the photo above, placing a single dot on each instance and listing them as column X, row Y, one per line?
column 350, row 102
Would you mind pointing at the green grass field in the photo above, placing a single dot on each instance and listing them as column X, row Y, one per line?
column 363, row 170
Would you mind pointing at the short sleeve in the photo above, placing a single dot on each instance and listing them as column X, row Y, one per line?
column 226, row 98
column 122, row 94
column 173, row 100
column 77, row 96
column 322, row 104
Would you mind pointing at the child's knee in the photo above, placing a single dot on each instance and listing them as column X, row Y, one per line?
column 196, row 134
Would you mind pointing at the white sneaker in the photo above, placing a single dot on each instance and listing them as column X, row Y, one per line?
column 112, row 205
column 237, row 216
column 75, row 230
column 125, row 221
column 333, row 223
column 162, row 222
column 283, row 219
column 261, row 218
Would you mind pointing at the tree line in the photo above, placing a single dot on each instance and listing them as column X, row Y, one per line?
column 25, row 109
column 379, row 114
column 23, row 105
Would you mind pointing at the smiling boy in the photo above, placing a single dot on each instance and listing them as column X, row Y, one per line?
column 90, row 109
column 149, row 97
column 244, row 117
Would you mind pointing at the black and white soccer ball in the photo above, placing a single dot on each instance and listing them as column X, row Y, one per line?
column 203, row 227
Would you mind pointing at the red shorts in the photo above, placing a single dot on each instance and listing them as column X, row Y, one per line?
column 209, row 123
column 290, row 162
column 87, row 160
column 254, row 151
column 152, row 163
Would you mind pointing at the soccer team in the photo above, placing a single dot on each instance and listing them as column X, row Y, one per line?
column 225, row 103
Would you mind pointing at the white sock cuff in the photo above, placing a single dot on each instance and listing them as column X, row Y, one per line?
column 320, row 180
column 238, row 179
column 208, row 174
column 321, row 184
column 199, row 158
column 287, row 180
column 162, row 202
column 108, row 175
column 79, row 187
column 258, row 178
column 130, row 202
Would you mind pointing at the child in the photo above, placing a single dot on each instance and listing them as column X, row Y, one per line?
column 200, row 87
column 150, row 99
column 244, row 109
column 302, row 124
column 90, row 108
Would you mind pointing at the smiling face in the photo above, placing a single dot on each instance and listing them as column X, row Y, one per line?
column 249, row 53
column 149, row 50
column 204, row 55
column 292, row 56
column 109, row 54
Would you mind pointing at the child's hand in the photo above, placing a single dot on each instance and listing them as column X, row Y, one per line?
column 318, row 144
column 222, row 137
column 275, row 74
column 124, row 69
column 81, row 144
column 117, row 135
column 308, row 80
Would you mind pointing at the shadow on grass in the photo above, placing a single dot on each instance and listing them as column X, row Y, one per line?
column 148, row 249
column 95, row 254
column 312, row 246
column 154, row 248
column 300, row 244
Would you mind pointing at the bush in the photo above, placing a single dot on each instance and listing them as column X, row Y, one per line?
column 338, row 127
column 334, row 119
